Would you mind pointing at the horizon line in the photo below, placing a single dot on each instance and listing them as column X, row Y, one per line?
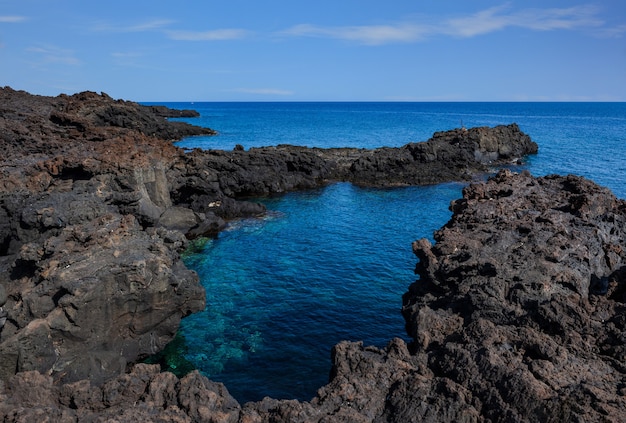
column 380, row 101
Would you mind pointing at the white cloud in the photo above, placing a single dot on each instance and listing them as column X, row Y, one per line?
column 211, row 35
column 180, row 35
column 612, row 32
column 12, row 19
column 553, row 19
column 151, row 25
column 262, row 91
column 57, row 55
column 496, row 18
column 126, row 55
column 369, row 34
column 480, row 23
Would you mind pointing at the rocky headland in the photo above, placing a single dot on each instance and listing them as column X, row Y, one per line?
column 518, row 313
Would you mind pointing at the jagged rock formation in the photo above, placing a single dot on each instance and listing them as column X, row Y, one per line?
column 453, row 155
column 89, row 286
column 521, row 301
column 518, row 316
column 142, row 395
column 96, row 205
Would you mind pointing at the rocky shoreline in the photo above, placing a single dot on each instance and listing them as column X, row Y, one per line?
column 518, row 314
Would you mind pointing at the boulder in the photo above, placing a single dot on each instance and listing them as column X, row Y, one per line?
column 178, row 218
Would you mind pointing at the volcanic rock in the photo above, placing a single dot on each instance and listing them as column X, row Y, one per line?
column 92, row 282
column 455, row 155
column 142, row 395
column 96, row 205
column 517, row 316
column 521, row 300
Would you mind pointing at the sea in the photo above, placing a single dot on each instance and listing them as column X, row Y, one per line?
column 331, row 264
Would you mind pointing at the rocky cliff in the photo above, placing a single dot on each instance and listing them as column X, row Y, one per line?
column 88, row 285
column 518, row 314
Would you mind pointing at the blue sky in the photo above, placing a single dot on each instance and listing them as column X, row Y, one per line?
column 327, row 50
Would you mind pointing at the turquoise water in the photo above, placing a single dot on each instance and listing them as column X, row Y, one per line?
column 332, row 263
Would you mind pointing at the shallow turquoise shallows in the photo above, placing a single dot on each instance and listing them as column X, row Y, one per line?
column 332, row 264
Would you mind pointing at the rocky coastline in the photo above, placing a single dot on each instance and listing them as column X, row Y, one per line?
column 518, row 313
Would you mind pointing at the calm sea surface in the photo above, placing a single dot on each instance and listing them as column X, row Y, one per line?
column 332, row 264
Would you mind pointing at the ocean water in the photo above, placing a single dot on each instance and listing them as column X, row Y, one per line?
column 332, row 263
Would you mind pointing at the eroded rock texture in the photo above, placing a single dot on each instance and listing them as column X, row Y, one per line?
column 522, row 299
column 89, row 284
column 518, row 316
column 512, row 321
column 454, row 155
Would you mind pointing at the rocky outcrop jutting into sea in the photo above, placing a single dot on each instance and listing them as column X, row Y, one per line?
column 520, row 306
column 518, row 313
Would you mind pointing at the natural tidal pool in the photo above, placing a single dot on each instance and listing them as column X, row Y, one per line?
column 331, row 264
column 323, row 266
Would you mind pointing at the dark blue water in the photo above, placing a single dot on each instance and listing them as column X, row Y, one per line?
column 332, row 264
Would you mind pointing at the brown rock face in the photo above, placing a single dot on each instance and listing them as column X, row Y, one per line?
column 88, row 286
column 142, row 395
column 522, row 299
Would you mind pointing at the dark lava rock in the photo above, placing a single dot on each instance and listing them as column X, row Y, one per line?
column 508, row 303
column 96, row 205
column 456, row 155
column 507, row 322
column 89, row 240
column 142, row 395
column 166, row 112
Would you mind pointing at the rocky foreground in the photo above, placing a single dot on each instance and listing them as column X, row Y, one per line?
column 518, row 313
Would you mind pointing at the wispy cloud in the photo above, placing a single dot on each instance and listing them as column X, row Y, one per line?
column 150, row 25
column 479, row 23
column 497, row 18
column 129, row 58
column 12, row 19
column 57, row 55
column 262, row 91
column 162, row 25
column 211, row 35
column 126, row 55
column 613, row 32
column 368, row 34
